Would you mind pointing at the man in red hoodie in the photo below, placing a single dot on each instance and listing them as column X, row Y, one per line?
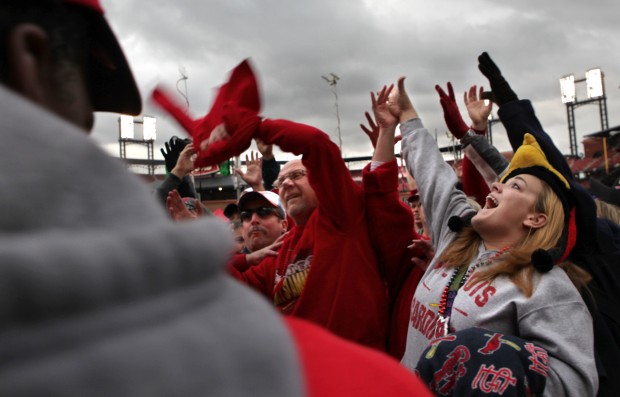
column 326, row 270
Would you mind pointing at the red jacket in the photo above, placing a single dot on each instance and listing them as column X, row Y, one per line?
column 334, row 367
column 390, row 222
column 342, row 288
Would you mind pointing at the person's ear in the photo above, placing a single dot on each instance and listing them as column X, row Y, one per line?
column 284, row 224
column 29, row 61
column 535, row 220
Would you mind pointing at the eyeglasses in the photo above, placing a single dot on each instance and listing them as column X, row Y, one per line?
column 293, row 176
column 262, row 212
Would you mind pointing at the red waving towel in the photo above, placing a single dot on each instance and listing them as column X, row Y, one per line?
column 238, row 98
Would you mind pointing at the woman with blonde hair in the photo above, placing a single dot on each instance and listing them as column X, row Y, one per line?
column 503, row 268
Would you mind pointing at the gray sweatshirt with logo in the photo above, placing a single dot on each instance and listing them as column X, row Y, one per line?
column 554, row 317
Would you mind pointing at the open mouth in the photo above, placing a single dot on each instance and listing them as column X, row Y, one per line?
column 491, row 202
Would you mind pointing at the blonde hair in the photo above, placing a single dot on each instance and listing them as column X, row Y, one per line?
column 607, row 211
column 516, row 263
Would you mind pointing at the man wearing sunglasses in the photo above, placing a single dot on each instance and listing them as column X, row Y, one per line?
column 326, row 270
column 263, row 217
column 263, row 222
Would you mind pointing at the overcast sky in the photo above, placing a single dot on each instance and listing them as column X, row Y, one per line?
column 367, row 43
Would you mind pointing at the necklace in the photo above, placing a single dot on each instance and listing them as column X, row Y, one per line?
column 449, row 294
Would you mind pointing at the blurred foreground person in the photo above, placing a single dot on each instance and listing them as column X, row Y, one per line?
column 102, row 294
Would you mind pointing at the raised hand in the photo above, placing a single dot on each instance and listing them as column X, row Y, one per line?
column 501, row 89
column 399, row 103
column 177, row 209
column 173, row 149
column 451, row 112
column 253, row 175
column 185, row 162
column 380, row 107
column 372, row 131
column 478, row 111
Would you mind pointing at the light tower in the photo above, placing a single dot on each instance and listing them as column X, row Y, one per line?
column 149, row 135
column 333, row 82
column 595, row 92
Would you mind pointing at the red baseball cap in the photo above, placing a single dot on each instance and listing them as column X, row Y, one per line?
column 112, row 85
column 413, row 196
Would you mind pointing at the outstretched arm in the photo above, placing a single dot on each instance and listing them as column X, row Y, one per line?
column 473, row 183
column 435, row 178
column 518, row 116
column 387, row 122
column 327, row 173
column 390, row 221
column 179, row 177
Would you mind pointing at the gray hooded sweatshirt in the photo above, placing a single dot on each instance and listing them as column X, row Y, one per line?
column 554, row 317
column 102, row 295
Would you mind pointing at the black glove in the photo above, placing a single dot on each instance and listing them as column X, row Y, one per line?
column 500, row 87
column 174, row 147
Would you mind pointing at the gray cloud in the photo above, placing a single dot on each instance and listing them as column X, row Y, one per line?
column 367, row 43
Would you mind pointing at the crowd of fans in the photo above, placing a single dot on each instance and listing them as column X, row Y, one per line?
column 501, row 282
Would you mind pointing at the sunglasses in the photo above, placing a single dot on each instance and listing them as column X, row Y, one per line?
column 262, row 212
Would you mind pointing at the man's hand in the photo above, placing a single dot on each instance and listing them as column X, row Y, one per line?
column 185, row 162
column 271, row 250
column 478, row 111
column 253, row 175
column 177, row 209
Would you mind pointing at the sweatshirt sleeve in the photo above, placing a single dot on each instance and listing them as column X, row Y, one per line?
column 556, row 319
column 474, row 185
column 260, row 277
column 340, row 198
column 519, row 118
column 390, row 221
column 486, row 158
column 239, row 262
column 436, row 180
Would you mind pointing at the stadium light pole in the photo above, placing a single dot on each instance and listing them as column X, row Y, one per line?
column 595, row 93
column 333, row 82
